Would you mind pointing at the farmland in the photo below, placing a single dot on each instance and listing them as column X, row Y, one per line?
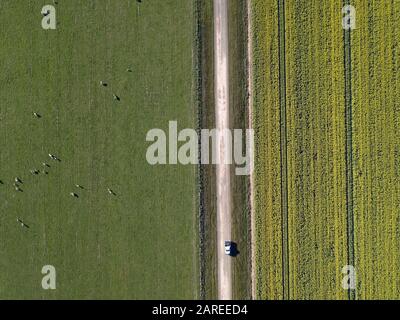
column 267, row 133
column 142, row 241
column 325, row 107
column 375, row 49
column 315, row 150
column 326, row 116
column 299, row 184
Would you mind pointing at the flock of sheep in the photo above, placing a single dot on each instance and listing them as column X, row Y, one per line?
column 18, row 182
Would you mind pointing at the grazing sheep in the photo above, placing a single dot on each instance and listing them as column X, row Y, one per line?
column 37, row 115
column 73, row 194
column 104, row 84
column 22, row 223
column 52, row 156
column 18, row 180
column 110, row 191
column 35, row 172
column 117, row 98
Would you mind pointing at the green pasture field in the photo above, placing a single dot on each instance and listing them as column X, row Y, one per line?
column 142, row 242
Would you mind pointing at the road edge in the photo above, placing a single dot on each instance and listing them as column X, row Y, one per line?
column 250, row 119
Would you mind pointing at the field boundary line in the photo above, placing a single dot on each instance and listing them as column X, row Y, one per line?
column 283, row 138
column 198, row 79
column 250, row 111
column 349, row 151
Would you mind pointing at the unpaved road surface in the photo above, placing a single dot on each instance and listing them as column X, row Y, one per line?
column 223, row 179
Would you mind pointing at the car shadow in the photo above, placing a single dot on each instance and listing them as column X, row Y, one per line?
column 234, row 249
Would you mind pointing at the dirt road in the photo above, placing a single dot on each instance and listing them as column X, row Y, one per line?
column 223, row 172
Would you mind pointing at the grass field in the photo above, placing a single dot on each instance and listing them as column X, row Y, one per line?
column 327, row 122
column 209, row 219
column 239, row 114
column 141, row 243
